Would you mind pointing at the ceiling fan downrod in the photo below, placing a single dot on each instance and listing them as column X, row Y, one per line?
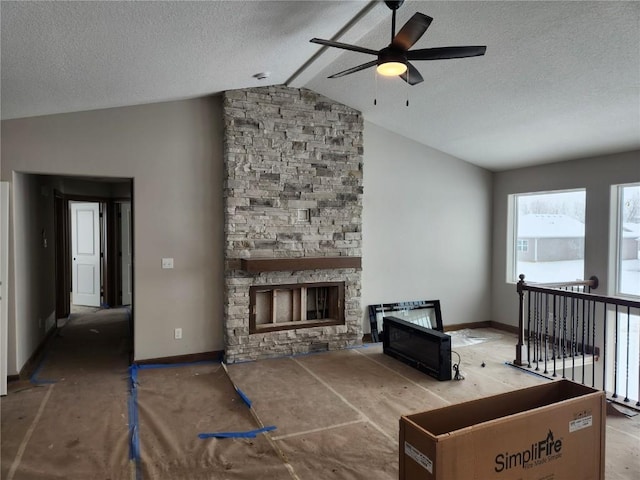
column 394, row 5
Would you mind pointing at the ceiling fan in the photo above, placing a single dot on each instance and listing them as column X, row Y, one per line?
column 395, row 59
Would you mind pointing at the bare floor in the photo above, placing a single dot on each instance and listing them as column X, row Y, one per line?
column 335, row 414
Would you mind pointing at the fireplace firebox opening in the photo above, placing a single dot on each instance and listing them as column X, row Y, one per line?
column 301, row 305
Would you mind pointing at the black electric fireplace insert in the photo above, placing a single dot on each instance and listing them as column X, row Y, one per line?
column 413, row 333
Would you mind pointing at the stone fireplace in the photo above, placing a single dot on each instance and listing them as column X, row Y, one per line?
column 293, row 223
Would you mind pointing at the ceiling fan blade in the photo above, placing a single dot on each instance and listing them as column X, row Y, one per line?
column 443, row 53
column 354, row 69
column 412, row 75
column 411, row 32
column 344, row 46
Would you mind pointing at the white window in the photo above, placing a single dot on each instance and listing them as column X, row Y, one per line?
column 627, row 284
column 628, row 240
column 548, row 236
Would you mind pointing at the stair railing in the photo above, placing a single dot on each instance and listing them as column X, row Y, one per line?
column 565, row 329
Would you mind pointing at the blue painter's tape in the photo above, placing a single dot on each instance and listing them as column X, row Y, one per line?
column 247, row 434
column 34, row 377
column 133, row 372
column 244, row 398
column 154, row 366
column 353, row 347
column 37, row 381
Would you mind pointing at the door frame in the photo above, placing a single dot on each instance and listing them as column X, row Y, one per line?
column 109, row 231
column 4, row 287
column 116, row 238
column 62, row 235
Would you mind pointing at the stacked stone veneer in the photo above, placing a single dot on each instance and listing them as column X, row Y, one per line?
column 287, row 150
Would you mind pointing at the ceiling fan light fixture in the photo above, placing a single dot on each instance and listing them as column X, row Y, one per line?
column 391, row 69
column 394, row 60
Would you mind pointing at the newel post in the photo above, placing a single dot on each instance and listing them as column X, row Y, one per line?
column 520, row 345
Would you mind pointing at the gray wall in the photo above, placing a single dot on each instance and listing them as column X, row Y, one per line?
column 173, row 152
column 33, row 300
column 596, row 175
column 426, row 228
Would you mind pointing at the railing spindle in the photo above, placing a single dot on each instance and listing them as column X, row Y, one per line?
column 546, row 332
column 615, row 356
column 536, row 316
column 573, row 347
column 528, row 329
column 554, row 353
column 626, row 393
column 585, row 334
column 604, row 343
column 518, row 360
column 564, row 337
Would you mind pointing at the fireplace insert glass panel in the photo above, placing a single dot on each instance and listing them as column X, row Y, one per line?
column 282, row 307
column 423, row 313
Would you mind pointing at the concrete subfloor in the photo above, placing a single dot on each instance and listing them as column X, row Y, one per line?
column 335, row 414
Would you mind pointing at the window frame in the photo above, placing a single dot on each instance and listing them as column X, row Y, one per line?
column 618, row 238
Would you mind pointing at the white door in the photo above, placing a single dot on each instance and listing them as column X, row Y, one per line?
column 125, row 228
column 85, row 252
column 4, row 278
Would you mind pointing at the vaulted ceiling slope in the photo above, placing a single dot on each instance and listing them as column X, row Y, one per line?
column 560, row 79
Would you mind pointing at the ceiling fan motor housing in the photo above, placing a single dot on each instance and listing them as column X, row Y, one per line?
column 394, row 4
column 390, row 54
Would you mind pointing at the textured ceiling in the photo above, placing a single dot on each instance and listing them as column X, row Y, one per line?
column 560, row 79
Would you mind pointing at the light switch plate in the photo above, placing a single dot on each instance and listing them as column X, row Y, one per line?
column 167, row 263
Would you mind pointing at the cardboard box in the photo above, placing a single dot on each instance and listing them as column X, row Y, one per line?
column 554, row 431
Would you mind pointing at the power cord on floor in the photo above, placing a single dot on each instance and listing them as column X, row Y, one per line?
column 456, row 368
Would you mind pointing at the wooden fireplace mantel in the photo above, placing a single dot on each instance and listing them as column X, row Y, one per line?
column 258, row 265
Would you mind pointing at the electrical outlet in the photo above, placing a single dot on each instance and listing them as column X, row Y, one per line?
column 167, row 263
column 177, row 333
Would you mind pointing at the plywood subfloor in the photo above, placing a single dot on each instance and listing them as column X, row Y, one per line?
column 336, row 413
